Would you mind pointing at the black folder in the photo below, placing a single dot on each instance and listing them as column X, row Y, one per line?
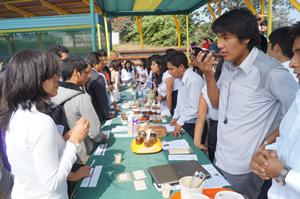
column 171, row 173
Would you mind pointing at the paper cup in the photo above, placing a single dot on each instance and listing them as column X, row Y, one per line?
column 118, row 158
column 165, row 189
column 186, row 191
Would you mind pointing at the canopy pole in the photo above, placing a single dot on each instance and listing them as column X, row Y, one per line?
column 211, row 11
column 263, row 8
column 270, row 13
column 219, row 8
column 106, row 36
column 139, row 24
column 99, row 36
column 92, row 12
column 250, row 7
column 187, row 36
column 178, row 29
column 295, row 4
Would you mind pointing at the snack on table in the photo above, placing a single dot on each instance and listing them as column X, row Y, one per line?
column 136, row 110
column 156, row 118
column 139, row 139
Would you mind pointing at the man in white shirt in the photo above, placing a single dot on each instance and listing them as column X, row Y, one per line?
column 280, row 160
column 252, row 94
column 185, row 114
column 281, row 47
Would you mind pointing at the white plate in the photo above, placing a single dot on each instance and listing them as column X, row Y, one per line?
column 228, row 195
column 197, row 196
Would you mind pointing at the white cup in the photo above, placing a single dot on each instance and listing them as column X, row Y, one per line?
column 165, row 189
column 187, row 189
column 118, row 158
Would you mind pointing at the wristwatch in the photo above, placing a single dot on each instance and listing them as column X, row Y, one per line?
column 280, row 178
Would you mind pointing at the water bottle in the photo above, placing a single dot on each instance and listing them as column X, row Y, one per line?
column 135, row 124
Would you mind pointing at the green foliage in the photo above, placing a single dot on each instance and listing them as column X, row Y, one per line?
column 161, row 31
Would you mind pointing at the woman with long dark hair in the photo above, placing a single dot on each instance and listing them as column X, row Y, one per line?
column 166, row 85
column 40, row 159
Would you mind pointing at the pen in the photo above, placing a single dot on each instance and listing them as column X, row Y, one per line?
column 92, row 163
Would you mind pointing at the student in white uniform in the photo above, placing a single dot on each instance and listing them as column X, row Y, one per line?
column 142, row 71
column 167, row 86
column 40, row 159
column 128, row 72
column 280, row 160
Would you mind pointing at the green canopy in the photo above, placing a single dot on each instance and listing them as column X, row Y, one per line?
column 149, row 7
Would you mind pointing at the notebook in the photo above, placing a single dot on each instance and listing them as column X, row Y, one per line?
column 171, row 173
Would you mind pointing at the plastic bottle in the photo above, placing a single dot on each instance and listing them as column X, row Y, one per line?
column 135, row 124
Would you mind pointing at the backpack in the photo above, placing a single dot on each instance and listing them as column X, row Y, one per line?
column 58, row 114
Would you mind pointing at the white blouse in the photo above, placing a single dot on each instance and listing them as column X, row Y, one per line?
column 40, row 159
column 143, row 74
column 162, row 87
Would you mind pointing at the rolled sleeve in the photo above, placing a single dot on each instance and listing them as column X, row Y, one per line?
column 283, row 87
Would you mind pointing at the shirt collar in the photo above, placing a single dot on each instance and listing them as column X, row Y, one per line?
column 185, row 75
column 247, row 62
column 286, row 63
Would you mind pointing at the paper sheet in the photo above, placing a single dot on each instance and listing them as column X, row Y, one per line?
column 183, row 157
column 182, row 143
column 108, row 122
column 139, row 174
column 86, row 180
column 119, row 129
column 169, row 128
column 101, row 149
column 107, row 133
column 122, row 135
column 95, row 176
column 216, row 180
column 140, row 185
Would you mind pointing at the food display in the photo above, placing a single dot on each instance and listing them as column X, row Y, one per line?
column 145, row 143
column 124, row 117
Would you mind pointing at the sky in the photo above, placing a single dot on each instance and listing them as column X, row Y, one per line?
column 294, row 15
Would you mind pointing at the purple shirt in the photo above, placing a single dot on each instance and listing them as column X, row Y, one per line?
column 3, row 150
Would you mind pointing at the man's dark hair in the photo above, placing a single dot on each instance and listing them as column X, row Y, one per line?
column 70, row 64
column 170, row 51
column 282, row 37
column 295, row 31
column 102, row 53
column 240, row 22
column 92, row 59
column 178, row 58
column 115, row 65
column 58, row 49
column 263, row 43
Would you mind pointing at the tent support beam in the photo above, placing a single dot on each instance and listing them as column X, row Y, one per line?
column 178, row 29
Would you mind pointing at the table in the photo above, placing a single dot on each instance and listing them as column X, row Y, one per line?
column 108, row 187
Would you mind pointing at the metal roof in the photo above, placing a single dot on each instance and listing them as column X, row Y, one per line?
column 38, row 8
column 148, row 7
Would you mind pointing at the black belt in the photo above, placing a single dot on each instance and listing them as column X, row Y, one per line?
column 214, row 122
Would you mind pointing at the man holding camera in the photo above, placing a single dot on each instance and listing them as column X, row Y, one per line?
column 252, row 94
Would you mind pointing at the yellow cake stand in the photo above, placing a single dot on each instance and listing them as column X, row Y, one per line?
column 142, row 149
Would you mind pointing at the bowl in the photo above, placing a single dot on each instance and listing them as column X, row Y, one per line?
column 228, row 195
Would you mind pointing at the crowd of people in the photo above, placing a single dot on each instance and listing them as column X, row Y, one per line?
column 244, row 99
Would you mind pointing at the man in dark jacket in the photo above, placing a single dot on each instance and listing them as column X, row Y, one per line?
column 96, row 88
